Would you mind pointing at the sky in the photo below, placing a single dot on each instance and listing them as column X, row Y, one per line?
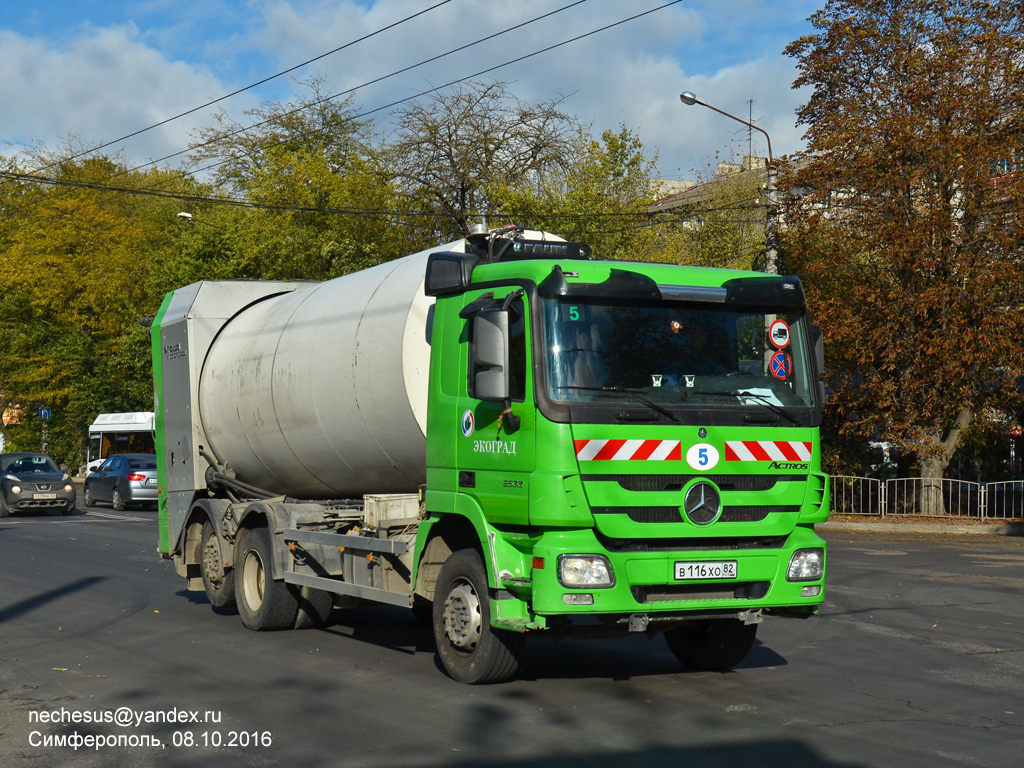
column 82, row 73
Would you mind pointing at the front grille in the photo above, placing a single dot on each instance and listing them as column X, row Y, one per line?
column 660, row 483
column 748, row 590
column 695, row 544
column 751, row 514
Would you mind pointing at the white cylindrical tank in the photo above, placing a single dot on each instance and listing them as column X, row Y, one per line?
column 322, row 392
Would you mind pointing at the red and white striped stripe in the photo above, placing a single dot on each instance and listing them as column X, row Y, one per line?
column 628, row 450
column 767, row 450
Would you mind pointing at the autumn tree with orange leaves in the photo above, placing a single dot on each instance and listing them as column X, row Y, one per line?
column 909, row 235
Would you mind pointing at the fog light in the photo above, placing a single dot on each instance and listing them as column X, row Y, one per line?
column 584, row 571
column 578, row 598
column 15, row 489
column 806, row 565
column 812, row 591
column 69, row 488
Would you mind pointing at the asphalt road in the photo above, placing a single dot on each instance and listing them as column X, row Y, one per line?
column 917, row 659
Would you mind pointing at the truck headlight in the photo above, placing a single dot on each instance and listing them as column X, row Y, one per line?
column 806, row 565
column 575, row 571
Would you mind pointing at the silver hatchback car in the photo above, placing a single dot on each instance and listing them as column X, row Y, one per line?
column 123, row 479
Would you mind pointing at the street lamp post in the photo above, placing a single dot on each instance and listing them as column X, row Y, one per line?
column 771, row 254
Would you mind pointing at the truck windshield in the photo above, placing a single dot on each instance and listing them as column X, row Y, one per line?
column 677, row 354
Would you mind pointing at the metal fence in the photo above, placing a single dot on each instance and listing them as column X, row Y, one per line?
column 927, row 498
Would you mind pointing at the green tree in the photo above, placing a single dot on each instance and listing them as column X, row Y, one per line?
column 910, row 233
column 599, row 195
column 326, row 206
column 454, row 155
column 74, row 261
column 721, row 221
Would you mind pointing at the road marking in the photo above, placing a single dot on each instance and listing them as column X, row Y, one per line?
column 118, row 517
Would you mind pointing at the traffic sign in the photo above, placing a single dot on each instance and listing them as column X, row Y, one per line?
column 778, row 333
column 781, row 365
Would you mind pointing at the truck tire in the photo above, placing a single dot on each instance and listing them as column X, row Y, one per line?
column 219, row 586
column 471, row 650
column 315, row 606
column 711, row 645
column 263, row 604
column 117, row 501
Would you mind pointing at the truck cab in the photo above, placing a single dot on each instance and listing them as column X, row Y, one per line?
column 635, row 444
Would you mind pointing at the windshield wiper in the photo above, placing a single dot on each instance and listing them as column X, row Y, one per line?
column 765, row 401
column 638, row 396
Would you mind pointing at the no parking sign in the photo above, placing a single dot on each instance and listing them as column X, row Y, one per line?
column 781, row 365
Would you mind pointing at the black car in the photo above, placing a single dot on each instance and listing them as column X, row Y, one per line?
column 123, row 479
column 32, row 481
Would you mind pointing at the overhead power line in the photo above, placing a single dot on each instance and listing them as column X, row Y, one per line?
column 245, row 204
column 242, row 90
column 352, row 90
column 236, row 203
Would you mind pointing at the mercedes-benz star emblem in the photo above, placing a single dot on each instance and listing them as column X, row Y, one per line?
column 702, row 504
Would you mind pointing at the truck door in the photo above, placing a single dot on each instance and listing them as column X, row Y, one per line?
column 495, row 453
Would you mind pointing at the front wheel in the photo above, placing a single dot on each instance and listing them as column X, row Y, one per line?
column 263, row 604
column 219, row 586
column 711, row 645
column 470, row 649
column 88, row 498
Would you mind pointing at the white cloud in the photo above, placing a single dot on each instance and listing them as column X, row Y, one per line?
column 101, row 86
column 102, row 83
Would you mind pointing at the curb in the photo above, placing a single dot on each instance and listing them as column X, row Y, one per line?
column 912, row 526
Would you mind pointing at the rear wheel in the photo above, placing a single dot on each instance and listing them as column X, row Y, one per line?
column 711, row 645
column 263, row 604
column 116, row 500
column 219, row 586
column 470, row 649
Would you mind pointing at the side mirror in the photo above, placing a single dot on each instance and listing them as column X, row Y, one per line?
column 448, row 273
column 490, row 345
column 818, row 342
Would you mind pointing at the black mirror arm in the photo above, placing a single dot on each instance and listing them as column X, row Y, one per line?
column 509, row 420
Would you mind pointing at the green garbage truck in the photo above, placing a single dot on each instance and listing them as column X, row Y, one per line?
column 505, row 435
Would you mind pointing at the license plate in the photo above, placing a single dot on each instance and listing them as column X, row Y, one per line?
column 715, row 569
column 151, row 481
column 44, row 495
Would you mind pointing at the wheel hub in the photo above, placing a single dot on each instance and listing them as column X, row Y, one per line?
column 253, row 580
column 211, row 562
column 462, row 617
